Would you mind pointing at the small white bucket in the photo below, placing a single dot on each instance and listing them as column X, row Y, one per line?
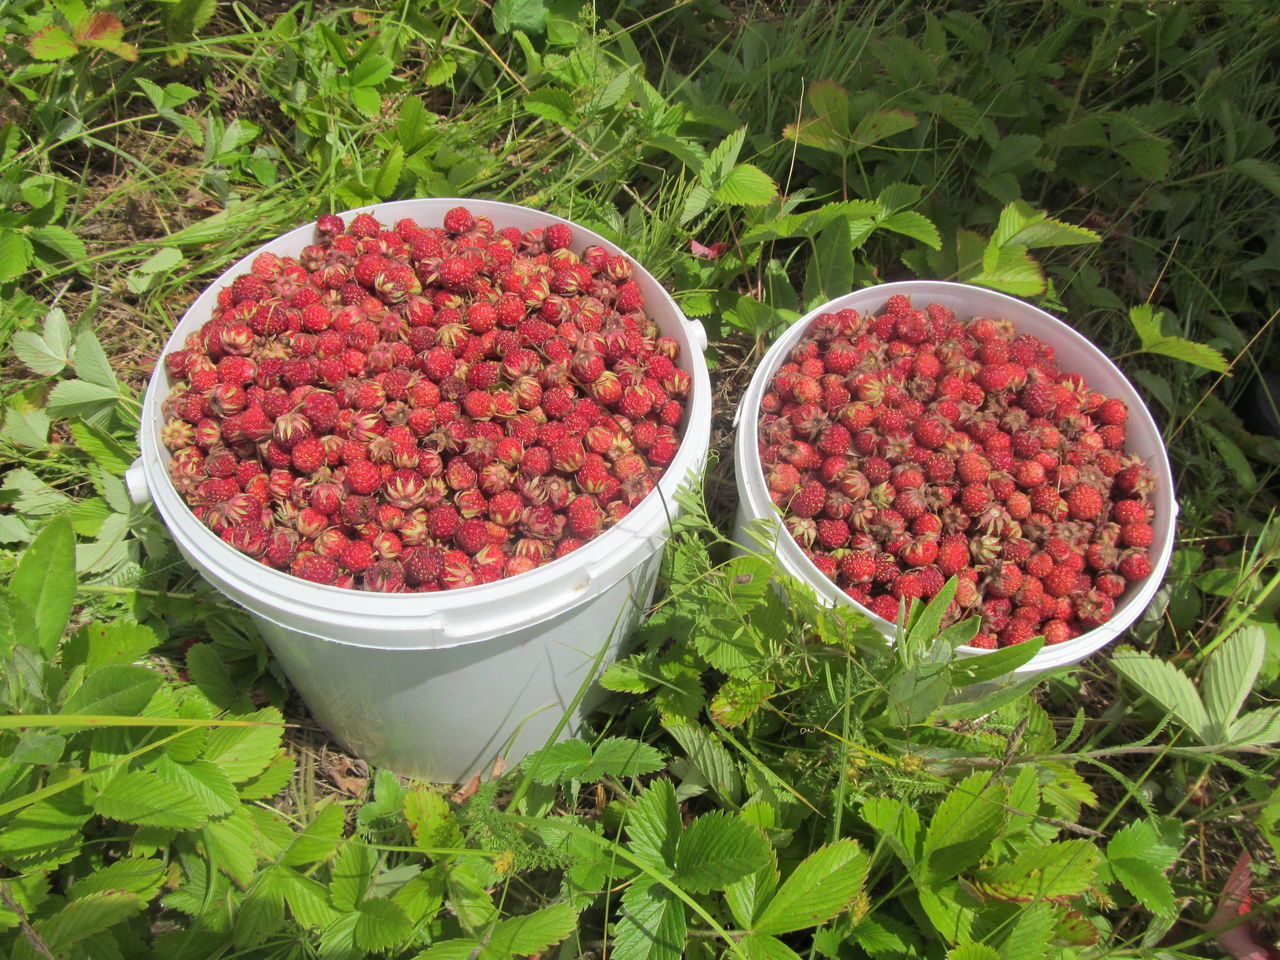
column 757, row 514
column 437, row 686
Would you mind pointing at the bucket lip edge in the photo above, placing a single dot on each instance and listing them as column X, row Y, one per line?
column 639, row 524
column 1140, row 600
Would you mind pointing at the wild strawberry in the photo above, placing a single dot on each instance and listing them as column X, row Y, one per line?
column 1136, row 534
column 1061, row 581
column 315, row 568
column 1135, row 565
column 362, row 477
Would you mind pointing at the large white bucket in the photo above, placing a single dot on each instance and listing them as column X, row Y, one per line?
column 757, row 517
column 437, row 686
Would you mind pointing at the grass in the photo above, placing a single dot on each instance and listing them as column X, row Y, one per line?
column 135, row 166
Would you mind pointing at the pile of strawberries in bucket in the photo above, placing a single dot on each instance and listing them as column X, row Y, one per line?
column 912, row 446
column 423, row 407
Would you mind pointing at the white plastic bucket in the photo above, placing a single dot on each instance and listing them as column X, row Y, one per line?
column 757, row 516
column 437, row 686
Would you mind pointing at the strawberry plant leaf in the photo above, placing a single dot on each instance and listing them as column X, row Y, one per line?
column 119, row 690
column 746, row 895
column 898, row 824
column 145, row 798
column 746, row 185
column 653, row 824
column 880, row 125
column 1011, row 270
column 996, row 663
column 229, row 845
column 567, row 760
column 830, row 103
column 761, row 946
column 38, row 354
column 914, row 225
column 1229, row 676
column 973, row 951
column 711, row 758
column 717, row 849
column 142, row 876
column 91, row 362
column 243, row 752
column 351, row 874
column 380, row 924
column 1260, row 172
column 1140, row 854
column 621, row 757
column 203, row 781
column 1256, row 727
column 51, row 43
column 431, row 819
column 964, row 825
column 652, row 925
column 64, row 244
column 45, row 579
column 17, row 623
column 1168, row 686
column 534, row 932
column 527, row 15
column 83, row 918
column 823, row 884
column 1061, row 869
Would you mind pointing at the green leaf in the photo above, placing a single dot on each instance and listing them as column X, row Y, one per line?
column 652, row 925
column 118, row 690
column 15, row 255
column 229, row 845
column 202, row 780
column 145, row 798
column 1260, row 172
column 997, row 663
column 653, row 824
column 527, row 15
column 17, row 624
column 551, row 103
column 45, row 579
column 1168, row 686
column 831, row 269
column 141, row 876
column 830, row 102
column 821, row 886
column 1028, row 936
column 973, row 951
column 351, row 874
column 34, row 351
column 1139, row 855
column 563, row 761
column 80, row 919
column 710, row 757
column 899, row 824
column 1188, row 351
column 964, row 825
column 243, row 752
column 622, row 757
column 117, row 641
column 431, row 819
column 533, row 932
column 91, row 362
column 738, row 699
column 46, row 833
column 1010, row 269
column 387, row 179
column 1256, row 727
column 51, row 43
column 760, row 946
column 746, row 185
column 716, row 849
column 318, row 840
column 1013, row 153
column 914, row 225
column 381, row 924
column 881, row 124
column 61, row 240
column 72, row 398
column 1229, row 675
column 1149, row 157
column 1061, row 869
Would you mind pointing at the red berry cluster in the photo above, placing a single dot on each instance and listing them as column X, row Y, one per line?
column 423, row 408
column 913, row 446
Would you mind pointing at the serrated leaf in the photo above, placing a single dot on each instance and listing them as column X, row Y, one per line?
column 1062, row 869
column 899, row 824
column 746, row 185
column 27, row 428
column 51, row 43
column 91, row 362
column 1149, row 157
column 1028, row 936
column 717, row 849
column 144, row 798
column 141, row 876
column 1011, row 270
column 47, row 832
column 431, row 819
column 1259, row 171
column 229, row 845
column 652, row 925
column 653, row 824
column 562, row 761
column 1012, row 153
column 722, row 157
column 627, row 676
column 202, row 780
column 622, row 757
column 830, row 102
column 551, row 103
column 17, row 624
column 881, row 124
column 388, row 177
column 738, row 699
column 61, row 240
column 527, row 15
column 1188, row 351
column 1229, row 675
column 78, row 920
column 972, row 951
column 381, row 924
column 45, row 579
column 534, row 932
column 70, row 398
column 104, row 449
column 1256, row 727
column 118, row 690
column 15, row 255
column 1168, row 686
column 997, row 663
column 32, row 350
column 821, row 886
column 243, row 752
column 963, row 826
column 1139, row 854
column 351, row 874
column 711, row 758
column 761, row 946
column 914, row 225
